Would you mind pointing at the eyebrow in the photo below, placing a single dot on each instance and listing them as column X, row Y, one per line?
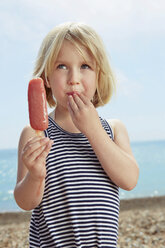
column 60, row 62
column 89, row 61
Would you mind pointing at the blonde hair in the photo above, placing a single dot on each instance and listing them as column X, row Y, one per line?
column 80, row 35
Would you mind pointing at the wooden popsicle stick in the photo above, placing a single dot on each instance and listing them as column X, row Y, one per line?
column 38, row 133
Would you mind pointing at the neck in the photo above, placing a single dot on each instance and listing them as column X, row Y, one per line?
column 63, row 118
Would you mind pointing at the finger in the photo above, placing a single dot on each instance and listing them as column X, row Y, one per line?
column 33, row 139
column 72, row 104
column 30, row 159
column 84, row 99
column 45, row 151
column 78, row 101
column 70, row 110
column 33, row 145
column 38, row 153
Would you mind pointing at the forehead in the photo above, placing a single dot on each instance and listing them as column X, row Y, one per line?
column 69, row 49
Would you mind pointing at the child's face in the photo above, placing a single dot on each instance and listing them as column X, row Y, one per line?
column 72, row 73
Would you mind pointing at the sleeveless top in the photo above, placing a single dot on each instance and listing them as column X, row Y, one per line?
column 80, row 205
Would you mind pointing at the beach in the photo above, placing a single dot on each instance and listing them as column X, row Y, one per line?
column 141, row 224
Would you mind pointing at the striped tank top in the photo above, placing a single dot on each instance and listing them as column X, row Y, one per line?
column 80, row 205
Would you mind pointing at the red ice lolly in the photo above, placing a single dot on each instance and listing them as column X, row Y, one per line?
column 38, row 113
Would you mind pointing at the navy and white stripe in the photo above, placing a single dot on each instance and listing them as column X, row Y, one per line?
column 80, row 206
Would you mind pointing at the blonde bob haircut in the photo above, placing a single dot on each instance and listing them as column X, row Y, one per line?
column 82, row 36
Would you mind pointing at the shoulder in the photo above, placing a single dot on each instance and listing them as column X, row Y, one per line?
column 27, row 130
column 118, row 127
column 26, row 134
column 121, row 137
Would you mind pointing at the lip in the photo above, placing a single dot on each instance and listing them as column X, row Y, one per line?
column 71, row 93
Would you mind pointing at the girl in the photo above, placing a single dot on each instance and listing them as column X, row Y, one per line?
column 70, row 176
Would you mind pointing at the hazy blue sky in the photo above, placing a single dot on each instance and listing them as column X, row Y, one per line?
column 134, row 36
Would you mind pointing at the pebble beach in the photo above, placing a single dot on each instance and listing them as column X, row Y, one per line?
column 141, row 225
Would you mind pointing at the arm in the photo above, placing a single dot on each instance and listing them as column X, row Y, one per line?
column 115, row 157
column 32, row 152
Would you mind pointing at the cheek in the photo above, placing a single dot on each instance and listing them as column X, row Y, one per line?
column 57, row 90
column 90, row 89
column 57, row 83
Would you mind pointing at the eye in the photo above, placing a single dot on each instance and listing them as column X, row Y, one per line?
column 85, row 66
column 62, row 66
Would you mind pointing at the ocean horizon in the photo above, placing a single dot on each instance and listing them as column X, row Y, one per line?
column 150, row 156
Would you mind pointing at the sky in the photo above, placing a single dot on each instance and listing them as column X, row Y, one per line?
column 133, row 32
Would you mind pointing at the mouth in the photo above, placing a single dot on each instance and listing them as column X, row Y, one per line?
column 72, row 93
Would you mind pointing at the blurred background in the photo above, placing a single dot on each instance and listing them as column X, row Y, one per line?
column 134, row 36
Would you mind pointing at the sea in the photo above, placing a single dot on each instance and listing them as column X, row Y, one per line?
column 150, row 156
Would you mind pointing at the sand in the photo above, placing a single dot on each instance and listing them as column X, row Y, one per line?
column 141, row 224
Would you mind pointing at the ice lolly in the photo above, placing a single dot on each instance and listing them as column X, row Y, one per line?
column 38, row 114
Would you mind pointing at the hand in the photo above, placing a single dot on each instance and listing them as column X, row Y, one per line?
column 83, row 114
column 34, row 155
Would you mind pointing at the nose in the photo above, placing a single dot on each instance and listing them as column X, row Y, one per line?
column 74, row 77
